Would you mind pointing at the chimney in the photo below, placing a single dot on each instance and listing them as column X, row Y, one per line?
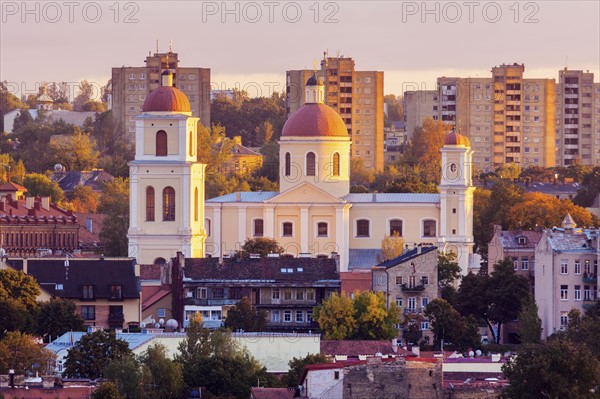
column 46, row 203
column 29, row 202
column 419, row 249
column 37, row 205
column 238, row 196
column 395, row 345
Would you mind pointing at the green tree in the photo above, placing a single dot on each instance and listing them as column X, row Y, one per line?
column 126, row 374
column 114, row 202
column 216, row 362
column 14, row 316
column 162, row 378
column 530, row 324
column 336, row 318
column 40, row 185
column 8, row 102
column 374, row 320
column 76, row 152
column 85, row 94
column 22, row 353
column 20, row 287
column 448, row 274
column 58, row 316
column 244, row 316
column 90, row 355
column 448, row 325
column 107, row 390
column 297, row 365
column 556, row 369
column 262, row 246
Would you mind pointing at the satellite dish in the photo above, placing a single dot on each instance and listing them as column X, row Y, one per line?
column 152, row 321
column 471, row 353
column 157, row 325
column 172, row 324
column 2, row 252
column 161, row 321
column 143, row 325
column 58, row 168
column 478, row 352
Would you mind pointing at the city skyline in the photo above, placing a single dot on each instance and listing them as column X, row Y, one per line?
column 374, row 34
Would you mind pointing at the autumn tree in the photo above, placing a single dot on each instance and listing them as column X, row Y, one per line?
column 107, row 390
column 114, row 202
column 297, row 365
column 21, row 353
column 56, row 317
column 538, row 209
column 20, row 287
column 262, row 246
column 90, row 355
column 41, row 185
column 244, row 316
column 424, row 147
column 84, row 199
column 76, row 152
column 392, row 246
column 86, row 93
column 359, row 174
column 336, row 317
column 411, row 328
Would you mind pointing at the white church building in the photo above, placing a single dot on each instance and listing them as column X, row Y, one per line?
column 314, row 214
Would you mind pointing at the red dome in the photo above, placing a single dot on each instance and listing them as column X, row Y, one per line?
column 166, row 99
column 454, row 138
column 315, row 120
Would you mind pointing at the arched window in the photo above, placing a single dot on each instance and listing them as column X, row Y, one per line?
column 150, row 204
column 429, row 228
column 396, row 227
column 191, row 144
column 196, row 204
column 310, row 164
column 288, row 164
column 161, row 143
column 168, row 204
column 336, row 164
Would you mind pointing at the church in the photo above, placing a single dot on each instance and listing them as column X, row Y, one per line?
column 313, row 215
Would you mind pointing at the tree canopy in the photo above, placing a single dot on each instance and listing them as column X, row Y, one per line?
column 20, row 287
column 58, row 316
column 244, row 316
column 22, row 353
column 114, row 202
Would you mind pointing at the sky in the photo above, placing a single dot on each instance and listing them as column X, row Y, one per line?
column 250, row 45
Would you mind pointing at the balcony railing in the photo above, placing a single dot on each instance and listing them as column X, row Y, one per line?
column 413, row 310
column 590, row 278
column 413, row 288
column 116, row 318
column 210, row 302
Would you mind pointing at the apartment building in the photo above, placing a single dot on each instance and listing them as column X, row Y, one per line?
column 577, row 118
column 508, row 118
column 566, row 274
column 356, row 95
column 131, row 86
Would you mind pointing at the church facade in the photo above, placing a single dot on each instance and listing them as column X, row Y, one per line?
column 313, row 215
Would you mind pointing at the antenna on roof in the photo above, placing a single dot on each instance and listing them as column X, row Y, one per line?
column 170, row 45
column 66, row 266
column 157, row 46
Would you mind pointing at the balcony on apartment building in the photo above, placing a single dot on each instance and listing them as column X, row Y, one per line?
column 590, row 278
column 413, row 288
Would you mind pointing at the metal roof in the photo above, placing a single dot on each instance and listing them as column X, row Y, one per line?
column 259, row 196
column 405, row 198
column 363, row 258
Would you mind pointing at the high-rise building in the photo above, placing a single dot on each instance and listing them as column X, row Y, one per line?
column 508, row 118
column 356, row 95
column 131, row 86
column 577, row 118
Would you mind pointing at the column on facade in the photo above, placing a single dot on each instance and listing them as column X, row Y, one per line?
column 269, row 221
column 216, row 231
column 304, row 229
column 241, row 227
column 444, row 215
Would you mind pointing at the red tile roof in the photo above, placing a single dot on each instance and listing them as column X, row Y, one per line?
column 315, row 120
column 12, row 187
column 166, row 98
column 149, row 272
column 272, row 393
column 360, row 348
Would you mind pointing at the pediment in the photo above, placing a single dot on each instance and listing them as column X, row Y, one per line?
column 305, row 193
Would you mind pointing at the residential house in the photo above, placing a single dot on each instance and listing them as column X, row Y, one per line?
column 410, row 280
column 286, row 288
column 566, row 273
column 69, row 180
column 243, row 159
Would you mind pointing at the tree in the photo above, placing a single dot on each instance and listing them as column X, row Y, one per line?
column 8, row 102
column 76, row 152
column 216, row 362
column 335, row 316
column 20, row 287
column 264, row 133
column 537, row 209
column 297, row 365
column 114, row 202
column 530, row 324
column 374, row 320
column 162, row 378
column 556, row 368
column 40, row 185
column 107, row 390
column 359, row 174
column 448, row 274
column 21, row 353
column 392, row 246
column 90, row 355
column 243, row 316
column 14, row 316
column 424, row 147
column 262, row 246
column 86, row 93
column 411, row 327
column 126, row 375
column 58, row 316
column 447, row 325
column 84, row 199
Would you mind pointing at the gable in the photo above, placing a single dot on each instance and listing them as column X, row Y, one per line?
column 305, row 193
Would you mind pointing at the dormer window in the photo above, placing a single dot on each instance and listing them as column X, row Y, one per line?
column 87, row 292
column 522, row 240
column 116, row 292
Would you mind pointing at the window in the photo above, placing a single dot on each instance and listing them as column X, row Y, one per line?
column 424, row 302
column 586, row 293
column 399, row 301
column 336, row 164
column 310, row 164
column 275, row 316
column 116, row 292
column 322, row 229
column 88, row 312
column 288, row 164
column 336, row 375
column 88, row 292
column 564, row 292
column 258, row 228
column 577, row 296
column 564, row 319
column 201, row 293
column 168, row 204
column 362, row 228
column 564, row 267
column 429, row 228
column 207, row 226
column 586, row 266
column 524, row 263
column 161, row 312
column 150, row 204
column 275, row 293
column 399, row 280
column 287, row 229
column 424, row 325
column 299, row 316
column 310, row 294
column 196, row 204
column 396, row 227
column 425, row 280
column 577, row 267
column 412, row 303
column 287, row 294
column 299, row 295
column 287, row 316
column 161, row 143
column 218, row 293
